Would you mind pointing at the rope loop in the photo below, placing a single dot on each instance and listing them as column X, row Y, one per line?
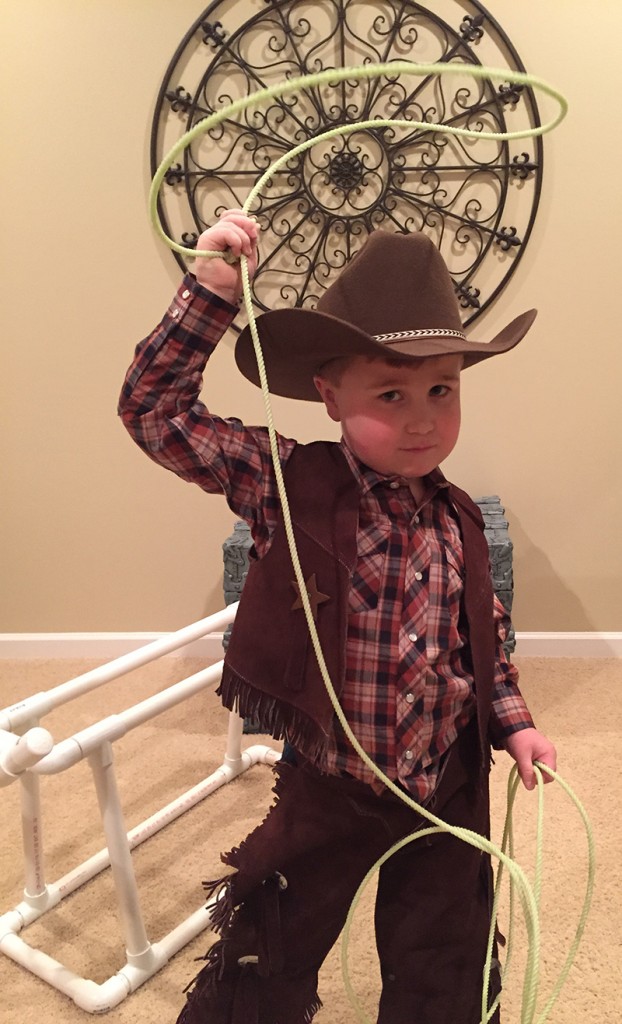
column 329, row 77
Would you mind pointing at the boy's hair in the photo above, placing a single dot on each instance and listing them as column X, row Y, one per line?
column 334, row 369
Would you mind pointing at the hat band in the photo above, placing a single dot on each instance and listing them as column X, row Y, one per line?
column 433, row 332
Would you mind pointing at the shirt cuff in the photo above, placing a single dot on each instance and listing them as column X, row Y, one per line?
column 197, row 317
column 499, row 732
column 200, row 291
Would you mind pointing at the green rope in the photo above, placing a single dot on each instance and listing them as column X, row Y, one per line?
column 329, row 77
column 529, row 897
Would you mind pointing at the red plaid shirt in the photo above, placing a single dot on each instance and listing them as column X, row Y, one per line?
column 408, row 690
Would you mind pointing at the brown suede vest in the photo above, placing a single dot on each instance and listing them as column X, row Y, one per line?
column 271, row 672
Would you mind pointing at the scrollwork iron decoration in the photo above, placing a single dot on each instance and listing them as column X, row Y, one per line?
column 477, row 199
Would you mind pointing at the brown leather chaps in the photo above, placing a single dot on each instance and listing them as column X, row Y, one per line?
column 282, row 910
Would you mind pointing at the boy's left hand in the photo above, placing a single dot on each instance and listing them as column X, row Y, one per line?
column 527, row 746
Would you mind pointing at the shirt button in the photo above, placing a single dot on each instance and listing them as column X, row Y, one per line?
column 418, row 575
column 409, row 698
column 185, row 294
column 175, row 313
column 408, row 755
column 412, row 637
column 394, row 484
column 416, row 519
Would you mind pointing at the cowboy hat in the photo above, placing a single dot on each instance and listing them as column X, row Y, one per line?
column 394, row 299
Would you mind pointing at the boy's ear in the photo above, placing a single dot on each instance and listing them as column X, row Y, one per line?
column 328, row 396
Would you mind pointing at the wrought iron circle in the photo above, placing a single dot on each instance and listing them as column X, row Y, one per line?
column 477, row 199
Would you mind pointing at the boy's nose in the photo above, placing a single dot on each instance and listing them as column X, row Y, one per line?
column 420, row 424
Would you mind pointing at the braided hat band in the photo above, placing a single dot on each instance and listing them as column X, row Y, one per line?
column 433, row 332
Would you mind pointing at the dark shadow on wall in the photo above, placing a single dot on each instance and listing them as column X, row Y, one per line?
column 551, row 606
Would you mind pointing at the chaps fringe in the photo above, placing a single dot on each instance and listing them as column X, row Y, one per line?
column 201, row 990
column 310, row 1013
column 212, row 972
column 234, row 855
column 220, row 913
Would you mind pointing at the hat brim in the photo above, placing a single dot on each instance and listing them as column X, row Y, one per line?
column 296, row 343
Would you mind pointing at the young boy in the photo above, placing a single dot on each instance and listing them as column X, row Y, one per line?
column 396, row 568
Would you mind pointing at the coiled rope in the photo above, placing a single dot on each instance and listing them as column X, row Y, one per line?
column 529, row 896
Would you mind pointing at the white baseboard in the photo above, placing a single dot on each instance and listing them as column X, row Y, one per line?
column 569, row 645
column 106, row 646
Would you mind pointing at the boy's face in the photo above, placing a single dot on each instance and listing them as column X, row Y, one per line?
column 398, row 419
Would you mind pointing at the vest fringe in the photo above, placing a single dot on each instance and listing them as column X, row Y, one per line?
column 274, row 715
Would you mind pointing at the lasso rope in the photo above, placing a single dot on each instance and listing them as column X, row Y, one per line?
column 329, row 77
column 529, row 897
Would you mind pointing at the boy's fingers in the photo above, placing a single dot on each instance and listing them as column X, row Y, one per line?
column 551, row 761
column 227, row 236
column 527, row 774
column 247, row 222
column 525, row 768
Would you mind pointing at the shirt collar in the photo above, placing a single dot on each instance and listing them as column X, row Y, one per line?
column 367, row 478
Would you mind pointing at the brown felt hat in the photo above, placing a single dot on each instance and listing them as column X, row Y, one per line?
column 394, row 299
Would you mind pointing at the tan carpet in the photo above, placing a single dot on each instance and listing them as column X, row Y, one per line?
column 576, row 702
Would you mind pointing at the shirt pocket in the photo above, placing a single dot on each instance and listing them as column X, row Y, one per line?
column 455, row 572
column 445, row 595
column 370, row 574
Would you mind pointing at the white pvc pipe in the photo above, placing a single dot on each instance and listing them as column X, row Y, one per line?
column 56, row 891
column 27, row 757
column 39, row 704
column 102, row 766
column 18, row 753
column 32, row 840
column 86, row 994
column 81, row 744
column 233, row 751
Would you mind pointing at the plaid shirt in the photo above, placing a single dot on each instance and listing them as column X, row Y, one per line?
column 408, row 690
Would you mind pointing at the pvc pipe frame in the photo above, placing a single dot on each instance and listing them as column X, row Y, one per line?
column 144, row 958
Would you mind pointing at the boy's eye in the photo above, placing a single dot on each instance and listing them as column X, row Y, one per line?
column 390, row 396
column 439, row 391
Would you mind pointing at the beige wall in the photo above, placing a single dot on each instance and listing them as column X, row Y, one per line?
column 94, row 536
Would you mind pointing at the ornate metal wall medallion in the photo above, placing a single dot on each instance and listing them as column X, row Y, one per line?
column 477, row 199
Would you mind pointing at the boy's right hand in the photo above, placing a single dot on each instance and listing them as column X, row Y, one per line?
column 234, row 232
